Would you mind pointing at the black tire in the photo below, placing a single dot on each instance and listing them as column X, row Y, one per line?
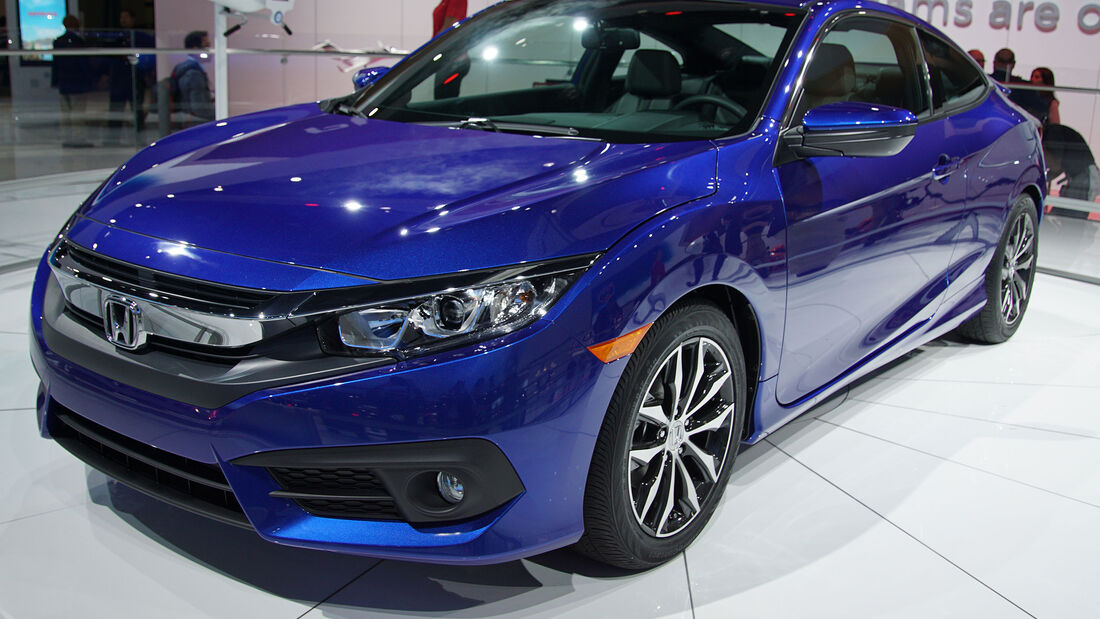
column 1008, row 278
column 614, row 532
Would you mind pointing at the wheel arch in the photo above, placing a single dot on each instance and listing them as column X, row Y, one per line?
column 736, row 306
column 1033, row 191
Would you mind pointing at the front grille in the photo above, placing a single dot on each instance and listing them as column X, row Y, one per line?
column 202, row 352
column 195, row 486
column 336, row 492
column 165, row 284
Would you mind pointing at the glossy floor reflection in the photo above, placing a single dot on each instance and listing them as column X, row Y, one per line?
column 31, row 138
column 33, row 210
column 963, row 481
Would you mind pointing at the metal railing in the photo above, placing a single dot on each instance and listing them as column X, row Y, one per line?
column 1027, row 86
column 154, row 51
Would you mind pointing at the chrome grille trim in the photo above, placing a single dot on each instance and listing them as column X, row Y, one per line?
column 130, row 280
column 162, row 315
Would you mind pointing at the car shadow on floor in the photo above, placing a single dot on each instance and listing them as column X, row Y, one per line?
column 292, row 573
column 311, row 576
column 352, row 584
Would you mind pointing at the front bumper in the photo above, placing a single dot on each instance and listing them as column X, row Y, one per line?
column 537, row 400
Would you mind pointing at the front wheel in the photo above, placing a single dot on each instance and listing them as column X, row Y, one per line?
column 668, row 441
column 1008, row 278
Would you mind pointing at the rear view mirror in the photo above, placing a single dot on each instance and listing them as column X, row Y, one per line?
column 852, row 129
column 595, row 37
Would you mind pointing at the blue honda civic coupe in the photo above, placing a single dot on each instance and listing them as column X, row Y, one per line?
column 534, row 286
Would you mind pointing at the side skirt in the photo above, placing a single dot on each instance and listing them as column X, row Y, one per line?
column 769, row 415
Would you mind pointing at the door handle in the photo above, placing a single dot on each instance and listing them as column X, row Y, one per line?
column 945, row 167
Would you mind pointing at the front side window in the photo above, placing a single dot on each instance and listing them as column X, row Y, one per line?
column 956, row 82
column 868, row 61
column 625, row 73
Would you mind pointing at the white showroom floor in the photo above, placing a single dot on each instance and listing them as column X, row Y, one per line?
column 961, row 481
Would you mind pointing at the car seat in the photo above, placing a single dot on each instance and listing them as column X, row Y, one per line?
column 830, row 78
column 652, row 80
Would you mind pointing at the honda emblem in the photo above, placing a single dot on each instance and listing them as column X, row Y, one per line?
column 122, row 323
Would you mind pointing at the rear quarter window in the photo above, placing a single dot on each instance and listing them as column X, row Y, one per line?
column 956, row 82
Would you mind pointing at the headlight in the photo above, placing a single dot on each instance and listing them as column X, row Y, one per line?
column 450, row 317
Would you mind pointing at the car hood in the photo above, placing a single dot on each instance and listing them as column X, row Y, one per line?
column 390, row 200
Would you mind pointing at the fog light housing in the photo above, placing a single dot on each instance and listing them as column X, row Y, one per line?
column 450, row 487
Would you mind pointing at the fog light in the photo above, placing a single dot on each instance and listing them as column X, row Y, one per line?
column 450, row 487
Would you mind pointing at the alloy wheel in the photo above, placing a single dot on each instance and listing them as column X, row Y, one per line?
column 1019, row 260
column 681, row 436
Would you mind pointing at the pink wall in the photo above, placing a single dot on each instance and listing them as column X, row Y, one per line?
column 259, row 82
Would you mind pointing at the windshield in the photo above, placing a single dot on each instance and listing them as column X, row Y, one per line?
column 620, row 72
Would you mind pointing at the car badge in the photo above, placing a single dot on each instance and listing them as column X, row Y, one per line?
column 122, row 323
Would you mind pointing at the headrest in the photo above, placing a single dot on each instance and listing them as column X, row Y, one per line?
column 611, row 38
column 748, row 74
column 890, row 87
column 832, row 72
column 653, row 73
column 891, row 75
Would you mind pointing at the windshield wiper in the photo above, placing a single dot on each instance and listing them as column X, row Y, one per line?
column 341, row 105
column 486, row 124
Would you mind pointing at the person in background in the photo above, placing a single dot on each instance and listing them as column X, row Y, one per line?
column 446, row 14
column 1004, row 61
column 978, row 57
column 189, row 85
column 128, row 82
column 1048, row 103
column 5, row 71
column 72, row 77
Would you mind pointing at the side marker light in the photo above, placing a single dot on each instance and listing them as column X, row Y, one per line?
column 619, row 347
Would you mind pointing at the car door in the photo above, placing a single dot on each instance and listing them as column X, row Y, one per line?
column 869, row 238
column 968, row 127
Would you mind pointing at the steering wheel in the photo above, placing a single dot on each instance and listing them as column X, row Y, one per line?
column 722, row 102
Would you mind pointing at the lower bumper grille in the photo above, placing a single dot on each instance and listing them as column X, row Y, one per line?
column 336, row 492
column 195, row 486
column 393, row 481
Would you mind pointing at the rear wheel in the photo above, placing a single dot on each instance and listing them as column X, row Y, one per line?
column 1008, row 278
column 668, row 441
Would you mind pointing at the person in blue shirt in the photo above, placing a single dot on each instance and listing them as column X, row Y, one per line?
column 190, row 85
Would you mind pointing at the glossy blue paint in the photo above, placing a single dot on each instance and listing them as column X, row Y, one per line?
column 881, row 231
column 383, row 193
column 844, row 264
column 367, row 76
column 198, row 262
column 850, row 115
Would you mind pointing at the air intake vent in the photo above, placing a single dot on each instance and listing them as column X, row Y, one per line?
column 336, row 492
column 195, row 486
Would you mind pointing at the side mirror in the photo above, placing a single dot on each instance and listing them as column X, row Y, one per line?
column 851, row 129
column 366, row 77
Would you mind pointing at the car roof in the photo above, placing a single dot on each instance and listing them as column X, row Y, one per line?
column 867, row 5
